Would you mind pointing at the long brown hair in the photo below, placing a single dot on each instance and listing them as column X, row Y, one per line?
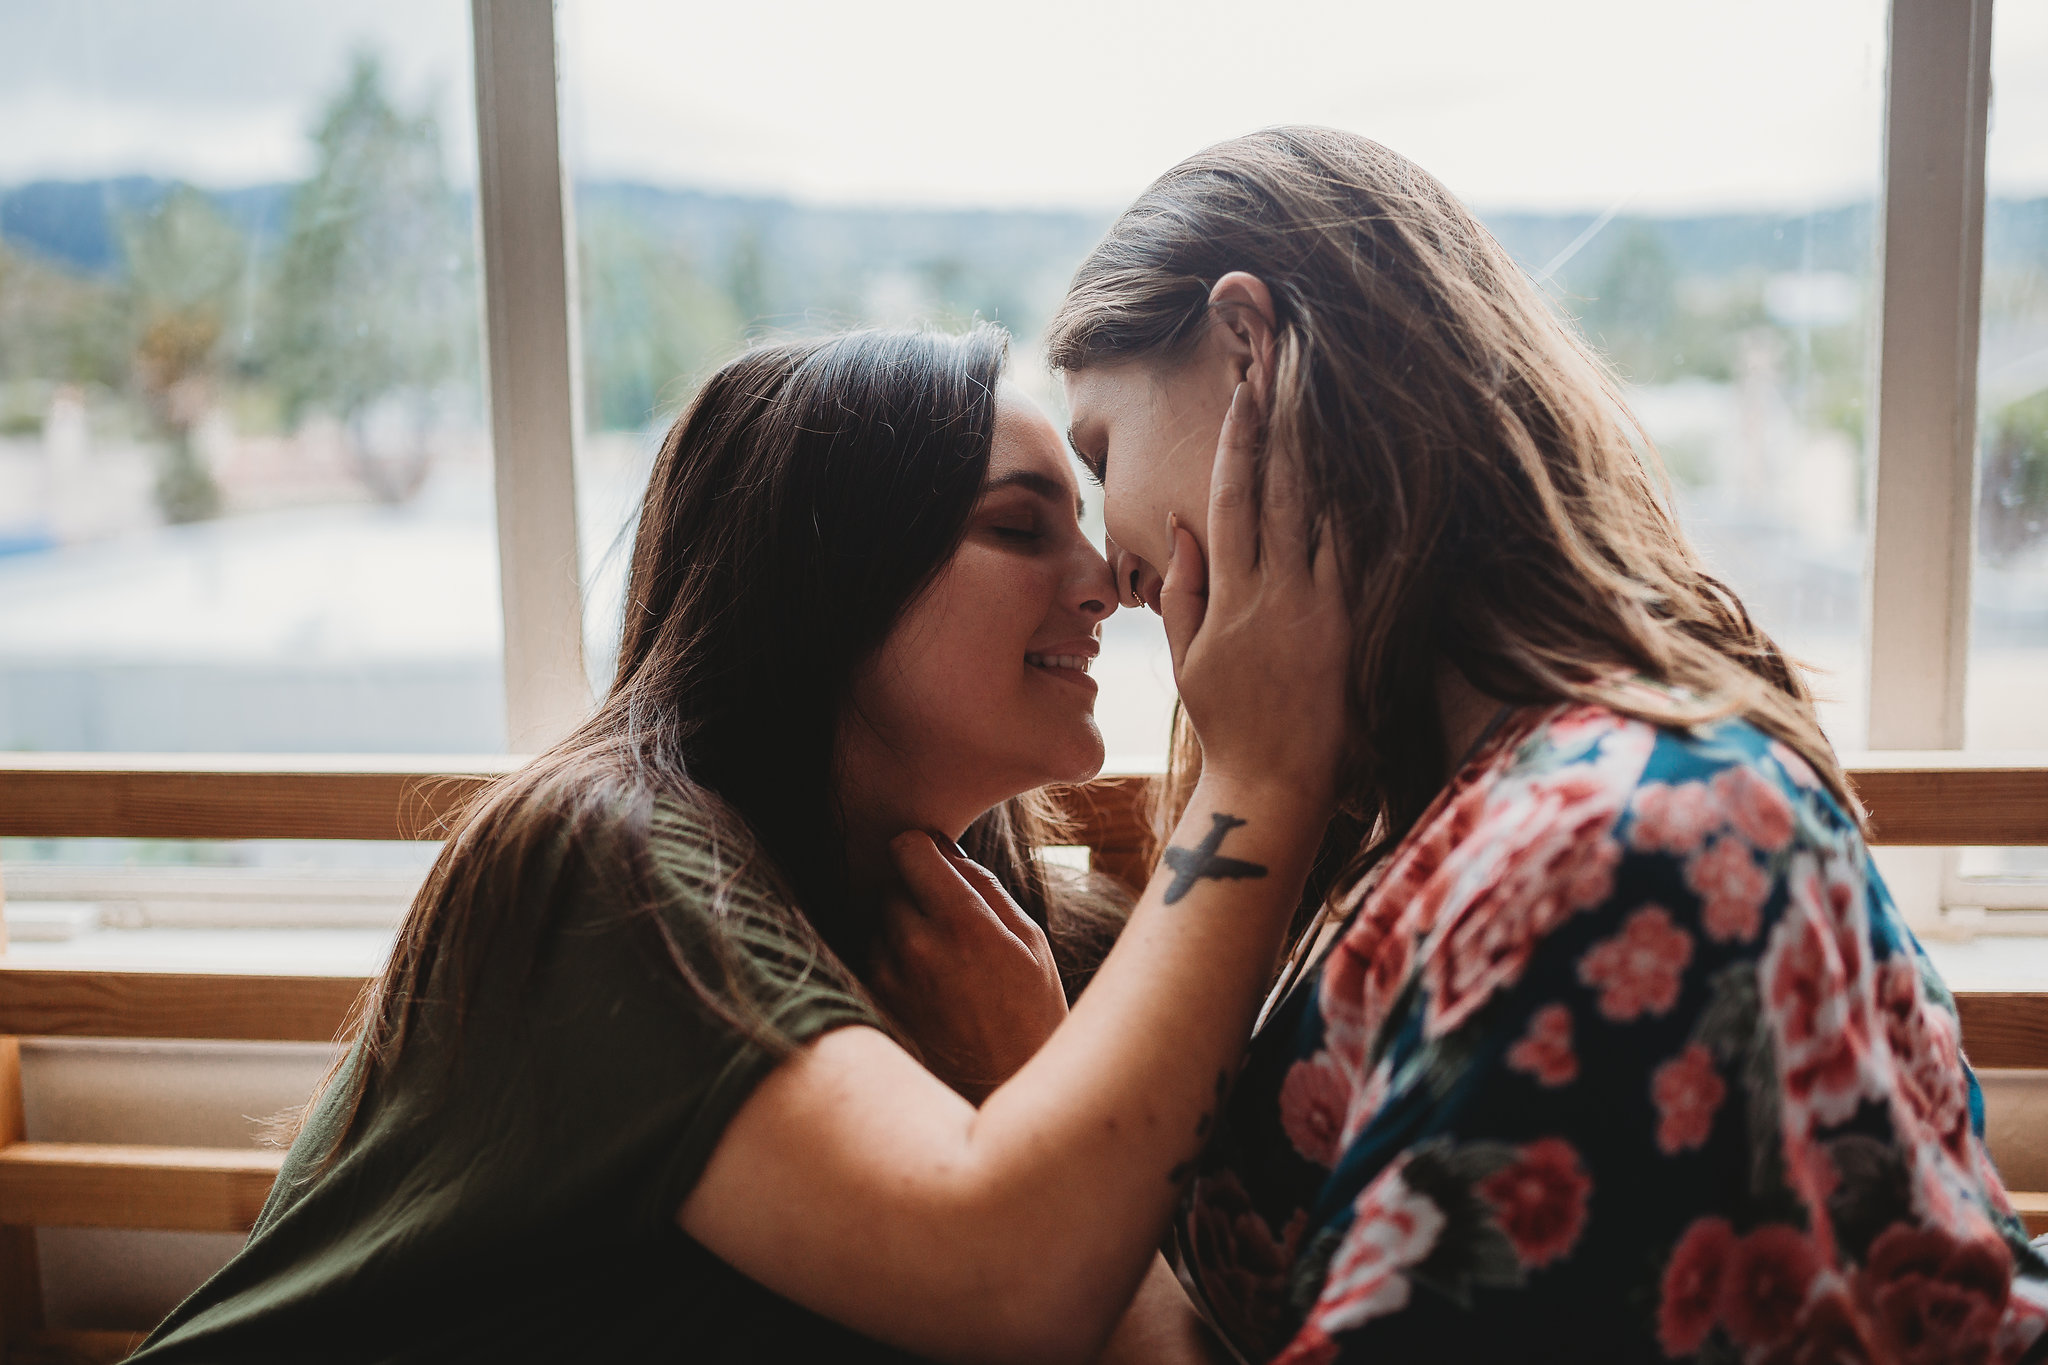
column 809, row 493
column 1495, row 504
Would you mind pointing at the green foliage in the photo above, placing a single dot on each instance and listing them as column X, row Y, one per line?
column 184, row 490
column 184, row 262
column 1633, row 304
column 2013, row 507
column 183, row 258
column 57, row 327
column 373, row 295
column 650, row 323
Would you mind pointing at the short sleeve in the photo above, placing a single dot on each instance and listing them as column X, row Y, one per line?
column 651, row 1022
column 785, row 980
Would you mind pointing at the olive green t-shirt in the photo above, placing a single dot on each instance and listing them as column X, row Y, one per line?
column 510, row 1186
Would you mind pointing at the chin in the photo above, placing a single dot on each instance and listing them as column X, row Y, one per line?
column 1078, row 760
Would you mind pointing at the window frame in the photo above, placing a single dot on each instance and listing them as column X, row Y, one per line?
column 1923, row 482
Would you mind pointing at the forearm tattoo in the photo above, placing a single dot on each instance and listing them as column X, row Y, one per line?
column 1191, row 865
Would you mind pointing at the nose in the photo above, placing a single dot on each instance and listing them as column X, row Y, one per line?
column 1134, row 577
column 1094, row 586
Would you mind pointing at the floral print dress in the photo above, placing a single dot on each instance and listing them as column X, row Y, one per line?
column 1625, row 1056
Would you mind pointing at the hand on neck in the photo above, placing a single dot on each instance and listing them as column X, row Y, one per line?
column 882, row 794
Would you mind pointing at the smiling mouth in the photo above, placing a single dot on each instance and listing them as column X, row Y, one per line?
column 1077, row 662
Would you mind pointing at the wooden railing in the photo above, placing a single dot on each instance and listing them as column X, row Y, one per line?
column 1941, row 799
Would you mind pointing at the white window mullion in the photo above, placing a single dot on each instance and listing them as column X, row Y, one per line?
column 531, row 347
column 1931, row 240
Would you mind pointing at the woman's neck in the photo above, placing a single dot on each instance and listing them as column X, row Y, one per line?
column 880, row 795
column 1463, row 712
column 869, row 827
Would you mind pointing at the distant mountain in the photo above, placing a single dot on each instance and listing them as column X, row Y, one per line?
column 76, row 223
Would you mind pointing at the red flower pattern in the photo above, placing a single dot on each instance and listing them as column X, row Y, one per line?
column 1927, row 1055
column 1638, row 970
column 1731, row 888
column 1796, row 768
column 1311, row 1346
column 1820, row 1020
column 1937, row 1299
column 1545, row 1051
column 1688, row 1091
column 1764, row 1284
column 1394, row 1228
column 1525, row 839
column 1536, row 861
column 1371, row 961
column 1757, row 809
column 1240, row 1265
column 1313, row 1099
column 1673, row 818
column 1690, row 1304
column 1540, row 1200
column 1830, row 1331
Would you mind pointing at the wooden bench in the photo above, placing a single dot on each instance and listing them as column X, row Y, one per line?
column 1932, row 799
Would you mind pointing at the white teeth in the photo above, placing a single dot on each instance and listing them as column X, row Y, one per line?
column 1078, row 662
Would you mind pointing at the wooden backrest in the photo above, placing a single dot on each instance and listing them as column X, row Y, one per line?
column 1926, row 799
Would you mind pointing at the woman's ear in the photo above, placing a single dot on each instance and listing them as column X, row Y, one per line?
column 1243, row 306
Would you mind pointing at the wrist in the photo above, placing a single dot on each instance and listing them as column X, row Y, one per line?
column 1286, row 802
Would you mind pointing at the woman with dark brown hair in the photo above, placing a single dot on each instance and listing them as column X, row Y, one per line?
column 1605, row 1041
column 704, row 1040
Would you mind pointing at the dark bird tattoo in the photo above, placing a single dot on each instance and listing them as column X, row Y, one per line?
column 1191, row 865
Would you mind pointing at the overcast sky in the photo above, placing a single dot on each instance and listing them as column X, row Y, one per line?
column 1667, row 105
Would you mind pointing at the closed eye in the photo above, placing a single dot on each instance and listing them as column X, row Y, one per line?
column 1097, row 465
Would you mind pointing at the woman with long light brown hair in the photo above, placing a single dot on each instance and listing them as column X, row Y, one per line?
column 1605, row 1041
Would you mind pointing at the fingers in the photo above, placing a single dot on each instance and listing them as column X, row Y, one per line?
column 1283, row 529
column 953, row 891
column 1184, row 596
column 985, row 884
column 935, row 884
column 1233, row 520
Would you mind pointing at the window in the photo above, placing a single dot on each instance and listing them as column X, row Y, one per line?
column 2009, row 626
column 919, row 163
column 2008, row 658
column 242, row 508
column 245, row 478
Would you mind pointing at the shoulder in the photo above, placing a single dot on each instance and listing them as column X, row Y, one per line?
column 1577, row 816
column 719, row 895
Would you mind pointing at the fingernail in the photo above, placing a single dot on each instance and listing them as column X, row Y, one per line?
column 1172, row 538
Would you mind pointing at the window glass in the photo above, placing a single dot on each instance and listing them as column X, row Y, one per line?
column 2009, row 626
column 245, row 485
column 1709, row 219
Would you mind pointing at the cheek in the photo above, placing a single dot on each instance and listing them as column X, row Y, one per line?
column 1134, row 508
column 962, row 646
column 1145, row 488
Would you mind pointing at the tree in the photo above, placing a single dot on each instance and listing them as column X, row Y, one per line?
column 184, row 262
column 650, row 323
column 2012, row 515
column 374, row 300
column 1634, row 306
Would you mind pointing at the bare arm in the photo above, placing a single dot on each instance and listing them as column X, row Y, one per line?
column 856, row 1183
column 1161, row 1327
